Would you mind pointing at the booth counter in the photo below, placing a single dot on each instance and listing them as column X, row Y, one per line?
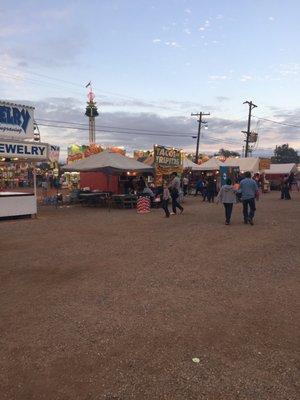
column 13, row 204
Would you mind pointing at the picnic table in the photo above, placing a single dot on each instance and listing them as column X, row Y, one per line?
column 94, row 198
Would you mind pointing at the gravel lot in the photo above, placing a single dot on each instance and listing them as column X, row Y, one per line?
column 114, row 305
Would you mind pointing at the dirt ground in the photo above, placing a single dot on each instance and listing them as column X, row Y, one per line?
column 114, row 305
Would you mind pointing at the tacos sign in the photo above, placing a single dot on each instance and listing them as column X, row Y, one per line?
column 167, row 157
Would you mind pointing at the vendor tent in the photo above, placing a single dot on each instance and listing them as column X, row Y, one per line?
column 250, row 164
column 188, row 164
column 213, row 164
column 108, row 162
column 279, row 169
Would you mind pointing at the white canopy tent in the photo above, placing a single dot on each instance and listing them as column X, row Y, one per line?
column 279, row 169
column 108, row 162
column 188, row 164
column 250, row 164
column 213, row 164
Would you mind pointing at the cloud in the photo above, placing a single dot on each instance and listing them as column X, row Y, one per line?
column 222, row 98
column 219, row 77
column 246, row 78
column 56, row 14
column 180, row 128
column 290, row 69
column 156, row 40
column 271, row 18
column 133, row 130
column 188, row 11
column 172, row 44
column 187, row 31
column 53, row 35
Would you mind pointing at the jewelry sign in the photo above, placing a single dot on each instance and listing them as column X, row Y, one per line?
column 167, row 157
column 16, row 121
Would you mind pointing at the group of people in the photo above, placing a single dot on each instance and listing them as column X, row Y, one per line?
column 228, row 195
column 172, row 191
column 207, row 188
column 248, row 192
column 244, row 189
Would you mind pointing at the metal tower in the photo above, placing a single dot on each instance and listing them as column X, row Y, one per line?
column 91, row 112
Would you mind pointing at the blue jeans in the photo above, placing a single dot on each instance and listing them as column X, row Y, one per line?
column 228, row 211
column 165, row 204
column 249, row 204
column 175, row 203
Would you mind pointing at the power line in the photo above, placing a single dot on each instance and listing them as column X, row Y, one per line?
column 119, row 127
column 100, row 92
column 276, row 122
column 124, row 131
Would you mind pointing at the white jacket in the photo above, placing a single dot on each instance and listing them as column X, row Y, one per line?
column 227, row 194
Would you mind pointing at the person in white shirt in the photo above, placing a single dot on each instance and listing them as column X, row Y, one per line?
column 175, row 190
column 185, row 185
column 227, row 196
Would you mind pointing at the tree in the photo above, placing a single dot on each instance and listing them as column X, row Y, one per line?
column 227, row 153
column 285, row 154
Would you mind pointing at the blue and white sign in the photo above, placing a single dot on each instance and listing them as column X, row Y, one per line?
column 31, row 150
column 53, row 153
column 16, row 121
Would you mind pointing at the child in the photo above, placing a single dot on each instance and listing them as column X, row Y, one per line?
column 227, row 196
column 165, row 200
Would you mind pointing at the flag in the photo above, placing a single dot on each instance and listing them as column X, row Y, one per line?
column 89, row 84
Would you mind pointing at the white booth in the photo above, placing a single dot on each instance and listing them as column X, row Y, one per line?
column 17, row 145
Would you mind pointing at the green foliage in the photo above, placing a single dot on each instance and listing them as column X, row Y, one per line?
column 285, row 155
column 227, row 153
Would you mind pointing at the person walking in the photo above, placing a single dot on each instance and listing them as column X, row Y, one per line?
column 204, row 190
column 199, row 186
column 285, row 188
column 227, row 196
column 185, row 185
column 165, row 200
column 211, row 190
column 249, row 191
column 175, row 190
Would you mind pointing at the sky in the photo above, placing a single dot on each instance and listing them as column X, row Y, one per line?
column 152, row 64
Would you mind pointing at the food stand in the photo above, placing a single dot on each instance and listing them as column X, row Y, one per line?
column 109, row 166
column 17, row 146
column 166, row 161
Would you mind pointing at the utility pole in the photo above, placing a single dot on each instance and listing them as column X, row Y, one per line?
column 248, row 132
column 200, row 122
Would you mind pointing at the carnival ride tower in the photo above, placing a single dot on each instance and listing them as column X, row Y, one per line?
column 91, row 112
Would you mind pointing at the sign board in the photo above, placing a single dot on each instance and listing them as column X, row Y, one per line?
column 228, row 172
column 53, row 153
column 30, row 150
column 264, row 163
column 253, row 137
column 167, row 157
column 16, row 121
column 77, row 152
